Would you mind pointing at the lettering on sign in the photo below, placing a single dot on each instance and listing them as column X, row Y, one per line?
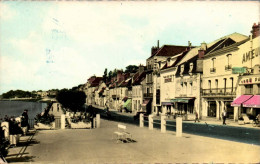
column 166, row 80
column 250, row 80
column 250, row 55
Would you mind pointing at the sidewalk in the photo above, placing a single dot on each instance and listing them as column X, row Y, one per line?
column 208, row 120
column 96, row 146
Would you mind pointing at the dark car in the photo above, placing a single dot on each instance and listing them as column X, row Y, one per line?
column 137, row 115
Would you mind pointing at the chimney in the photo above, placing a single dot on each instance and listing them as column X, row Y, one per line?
column 203, row 46
column 153, row 51
column 255, row 30
column 141, row 69
column 154, row 48
column 201, row 53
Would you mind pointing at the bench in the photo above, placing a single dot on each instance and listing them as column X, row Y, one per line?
column 122, row 134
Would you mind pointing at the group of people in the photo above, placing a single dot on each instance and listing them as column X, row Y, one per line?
column 224, row 116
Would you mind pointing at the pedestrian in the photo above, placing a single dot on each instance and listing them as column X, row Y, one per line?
column 224, row 116
column 25, row 121
column 196, row 117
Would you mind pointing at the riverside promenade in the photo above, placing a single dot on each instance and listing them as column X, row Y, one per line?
column 96, row 146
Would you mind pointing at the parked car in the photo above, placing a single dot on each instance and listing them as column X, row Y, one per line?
column 137, row 115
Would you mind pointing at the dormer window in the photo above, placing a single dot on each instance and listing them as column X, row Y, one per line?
column 191, row 67
column 182, row 69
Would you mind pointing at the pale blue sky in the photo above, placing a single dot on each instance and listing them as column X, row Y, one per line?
column 46, row 45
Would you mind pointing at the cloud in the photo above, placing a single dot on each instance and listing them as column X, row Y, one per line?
column 84, row 38
column 6, row 12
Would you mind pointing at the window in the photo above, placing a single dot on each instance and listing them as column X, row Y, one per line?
column 209, row 84
column 228, row 66
column 191, row 67
column 185, row 88
column 216, row 83
column 191, row 87
column 225, row 84
column 249, row 89
column 213, row 63
column 232, row 84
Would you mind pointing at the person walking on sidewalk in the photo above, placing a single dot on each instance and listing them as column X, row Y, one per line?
column 224, row 116
column 196, row 117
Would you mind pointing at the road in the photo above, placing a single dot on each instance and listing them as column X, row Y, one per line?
column 238, row 134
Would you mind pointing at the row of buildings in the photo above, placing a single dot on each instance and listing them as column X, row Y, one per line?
column 223, row 74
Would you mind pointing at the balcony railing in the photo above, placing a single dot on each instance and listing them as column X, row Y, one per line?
column 213, row 70
column 228, row 67
column 148, row 95
column 219, row 92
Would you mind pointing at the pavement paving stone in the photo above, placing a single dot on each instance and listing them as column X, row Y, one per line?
column 151, row 146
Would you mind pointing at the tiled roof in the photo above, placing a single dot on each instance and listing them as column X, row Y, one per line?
column 169, row 50
column 139, row 79
column 96, row 82
column 176, row 61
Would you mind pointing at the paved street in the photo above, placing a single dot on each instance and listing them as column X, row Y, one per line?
column 96, row 146
column 209, row 128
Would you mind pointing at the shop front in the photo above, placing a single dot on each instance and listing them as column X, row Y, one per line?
column 247, row 105
column 146, row 106
column 184, row 105
column 167, row 107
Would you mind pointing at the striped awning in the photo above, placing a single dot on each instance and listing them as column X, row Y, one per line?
column 253, row 102
column 240, row 100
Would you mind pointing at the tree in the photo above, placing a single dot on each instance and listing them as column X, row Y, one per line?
column 105, row 75
column 131, row 69
column 72, row 99
column 114, row 73
column 109, row 76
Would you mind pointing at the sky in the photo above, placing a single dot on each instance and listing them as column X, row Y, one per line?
column 48, row 45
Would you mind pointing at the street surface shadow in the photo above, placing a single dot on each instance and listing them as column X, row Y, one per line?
column 21, row 159
column 28, row 143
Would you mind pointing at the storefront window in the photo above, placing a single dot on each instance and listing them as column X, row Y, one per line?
column 212, row 108
column 249, row 89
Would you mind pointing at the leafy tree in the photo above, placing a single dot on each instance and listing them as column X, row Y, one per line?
column 131, row 69
column 105, row 75
column 72, row 99
column 17, row 93
column 114, row 73
column 109, row 76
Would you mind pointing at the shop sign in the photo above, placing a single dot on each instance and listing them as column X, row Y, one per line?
column 250, row 55
column 238, row 70
column 168, row 78
column 250, row 80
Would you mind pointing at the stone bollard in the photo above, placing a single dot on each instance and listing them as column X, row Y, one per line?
column 5, row 126
column 163, row 123
column 94, row 122
column 178, row 126
column 141, row 120
column 98, row 120
column 62, row 121
column 150, row 122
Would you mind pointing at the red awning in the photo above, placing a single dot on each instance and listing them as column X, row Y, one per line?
column 146, row 101
column 253, row 102
column 238, row 101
